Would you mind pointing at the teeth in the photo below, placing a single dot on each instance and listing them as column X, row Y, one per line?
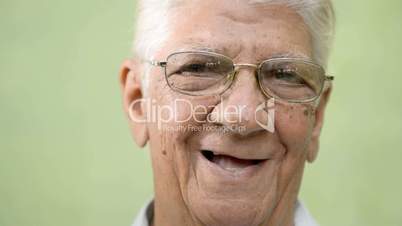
column 230, row 163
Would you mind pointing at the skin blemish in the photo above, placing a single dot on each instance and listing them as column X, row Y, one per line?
column 309, row 111
column 163, row 152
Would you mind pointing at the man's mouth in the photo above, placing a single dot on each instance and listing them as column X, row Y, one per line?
column 230, row 163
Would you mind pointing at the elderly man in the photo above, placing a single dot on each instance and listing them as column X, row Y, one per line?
column 230, row 95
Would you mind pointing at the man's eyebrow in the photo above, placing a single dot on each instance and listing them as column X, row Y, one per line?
column 290, row 55
column 201, row 48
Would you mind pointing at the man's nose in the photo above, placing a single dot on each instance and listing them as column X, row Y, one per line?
column 240, row 107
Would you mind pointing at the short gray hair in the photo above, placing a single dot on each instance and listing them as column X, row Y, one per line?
column 152, row 26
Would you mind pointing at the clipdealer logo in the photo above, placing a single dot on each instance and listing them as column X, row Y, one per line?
column 264, row 114
column 269, row 108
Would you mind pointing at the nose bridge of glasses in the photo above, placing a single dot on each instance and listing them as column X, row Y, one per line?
column 237, row 66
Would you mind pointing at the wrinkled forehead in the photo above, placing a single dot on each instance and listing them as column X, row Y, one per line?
column 238, row 29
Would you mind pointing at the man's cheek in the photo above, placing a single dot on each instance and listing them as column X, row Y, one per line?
column 183, row 111
column 294, row 126
column 190, row 111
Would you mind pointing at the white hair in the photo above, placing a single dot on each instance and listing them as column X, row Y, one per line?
column 152, row 27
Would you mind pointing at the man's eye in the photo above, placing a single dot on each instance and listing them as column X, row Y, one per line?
column 193, row 68
column 288, row 76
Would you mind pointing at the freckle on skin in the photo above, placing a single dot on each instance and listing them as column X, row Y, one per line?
column 164, row 152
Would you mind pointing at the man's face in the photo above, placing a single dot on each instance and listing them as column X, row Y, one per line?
column 235, row 177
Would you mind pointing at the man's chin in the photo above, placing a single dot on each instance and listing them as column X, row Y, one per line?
column 213, row 212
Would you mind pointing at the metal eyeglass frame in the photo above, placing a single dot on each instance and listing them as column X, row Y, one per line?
column 268, row 93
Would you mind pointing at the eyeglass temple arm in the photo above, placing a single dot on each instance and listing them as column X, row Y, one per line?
column 157, row 63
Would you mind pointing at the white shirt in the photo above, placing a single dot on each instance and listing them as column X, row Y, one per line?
column 302, row 216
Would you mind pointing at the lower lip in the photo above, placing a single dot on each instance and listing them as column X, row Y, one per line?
column 241, row 174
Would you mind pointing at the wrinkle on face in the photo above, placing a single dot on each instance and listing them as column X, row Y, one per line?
column 240, row 18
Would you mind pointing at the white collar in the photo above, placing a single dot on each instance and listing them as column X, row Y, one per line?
column 302, row 216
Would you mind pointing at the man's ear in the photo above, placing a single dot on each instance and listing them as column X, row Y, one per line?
column 312, row 150
column 130, row 82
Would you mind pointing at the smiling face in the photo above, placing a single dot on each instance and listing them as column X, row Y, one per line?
column 227, row 177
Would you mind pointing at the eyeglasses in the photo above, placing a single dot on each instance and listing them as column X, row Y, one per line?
column 202, row 73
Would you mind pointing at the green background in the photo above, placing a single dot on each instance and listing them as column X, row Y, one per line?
column 66, row 155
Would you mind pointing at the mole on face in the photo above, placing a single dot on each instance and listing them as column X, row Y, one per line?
column 306, row 112
column 309, row 111
column 164, row 152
